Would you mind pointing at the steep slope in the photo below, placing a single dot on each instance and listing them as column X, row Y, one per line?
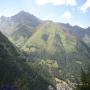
column 86, row 37
column 10, row 74
column 80, row 33
column 14, row 74
column 20, row 36
column 58, row 44
column 51, row 41
column 25, row 18
column 76, row 30
column 52, row 38
column 22, row 24
column 6, row 25
column 52, row 34
column 46, row 43
column 6, row 48
column 25, row 27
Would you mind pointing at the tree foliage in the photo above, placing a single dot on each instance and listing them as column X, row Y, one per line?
column 84, row 83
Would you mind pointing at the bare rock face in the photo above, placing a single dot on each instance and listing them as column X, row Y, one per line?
column 63, row 87
column 60, row 85
column 51, row 88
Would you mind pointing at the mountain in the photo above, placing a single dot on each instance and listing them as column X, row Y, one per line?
column 6, row 25
column 51, row 41
column 63, row 48
column 76, row 30
column 80, row 33
column 10, row 74
column 22, row 24
column 14, row 73
column 25, row 18
column 7, row 48
column 20, row 36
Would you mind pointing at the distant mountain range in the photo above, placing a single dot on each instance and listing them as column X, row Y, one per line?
column 24, row 23
column 68, row 45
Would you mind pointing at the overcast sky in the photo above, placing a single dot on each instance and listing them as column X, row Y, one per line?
column 75, row 12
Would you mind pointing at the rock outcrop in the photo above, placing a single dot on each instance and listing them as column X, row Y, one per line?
column 60, row 85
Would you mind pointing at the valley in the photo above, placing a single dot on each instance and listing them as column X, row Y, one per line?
column 41, row 55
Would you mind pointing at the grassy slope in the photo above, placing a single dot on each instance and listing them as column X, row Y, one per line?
column 50, row 41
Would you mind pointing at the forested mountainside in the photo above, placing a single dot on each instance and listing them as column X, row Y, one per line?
column 16, row 74
column 61, row 50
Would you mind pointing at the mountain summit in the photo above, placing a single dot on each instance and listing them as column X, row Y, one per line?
column 25, row 18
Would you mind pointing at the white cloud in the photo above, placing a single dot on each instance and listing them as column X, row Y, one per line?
column 66, row 15
column 57, row 2
column 85, row 6
column 71, row 2
column 54, row 2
